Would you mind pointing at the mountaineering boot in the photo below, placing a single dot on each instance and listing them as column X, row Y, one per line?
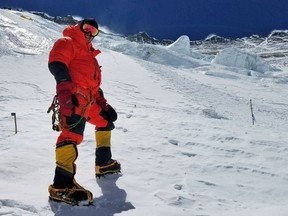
column 112, row 166
column 104, row 162
column 65, row 188
column 71, row 196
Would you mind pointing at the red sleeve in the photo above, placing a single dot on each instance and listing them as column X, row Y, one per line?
column 62, row 51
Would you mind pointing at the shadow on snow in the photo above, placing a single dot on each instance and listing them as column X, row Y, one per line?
column 112, row 201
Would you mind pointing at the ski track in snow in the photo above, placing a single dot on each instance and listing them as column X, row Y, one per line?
column 184, row 135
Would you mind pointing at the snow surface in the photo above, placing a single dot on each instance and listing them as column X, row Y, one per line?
column 184, row 136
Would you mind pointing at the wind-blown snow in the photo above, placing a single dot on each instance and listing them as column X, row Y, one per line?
column 184, row 135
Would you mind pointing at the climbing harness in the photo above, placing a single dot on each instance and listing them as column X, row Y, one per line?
column 57, row 123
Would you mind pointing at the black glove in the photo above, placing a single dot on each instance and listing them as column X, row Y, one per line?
column 108, row 109
column 111, row 113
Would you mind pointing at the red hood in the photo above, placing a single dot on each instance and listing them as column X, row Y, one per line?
column 75, row 33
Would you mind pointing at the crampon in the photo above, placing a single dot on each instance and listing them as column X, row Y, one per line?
column 73, row 196
column 112, row 167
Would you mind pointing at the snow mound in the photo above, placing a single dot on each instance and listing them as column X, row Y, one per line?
column 240, row 59
column 181, row 45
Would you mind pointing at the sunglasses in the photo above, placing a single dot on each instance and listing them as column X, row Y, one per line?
column 90, row 29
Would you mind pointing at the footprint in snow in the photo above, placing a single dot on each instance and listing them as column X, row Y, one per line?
column 122, row 128
column 173, row 142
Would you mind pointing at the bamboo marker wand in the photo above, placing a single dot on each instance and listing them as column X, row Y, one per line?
column 15, row 121
column 252, row 113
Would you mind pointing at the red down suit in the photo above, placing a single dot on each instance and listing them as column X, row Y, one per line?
column 84, row 72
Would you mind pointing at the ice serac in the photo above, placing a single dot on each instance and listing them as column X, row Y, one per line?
column 241, row 59
column 181, row 45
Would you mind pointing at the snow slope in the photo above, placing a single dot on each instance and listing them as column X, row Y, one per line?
column 184, row 135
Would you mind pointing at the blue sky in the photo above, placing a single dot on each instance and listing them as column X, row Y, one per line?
column 172, row 18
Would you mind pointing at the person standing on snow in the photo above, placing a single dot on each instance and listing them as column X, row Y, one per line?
column 78, row 76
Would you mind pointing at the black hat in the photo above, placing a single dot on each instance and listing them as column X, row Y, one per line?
column 89, row 21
